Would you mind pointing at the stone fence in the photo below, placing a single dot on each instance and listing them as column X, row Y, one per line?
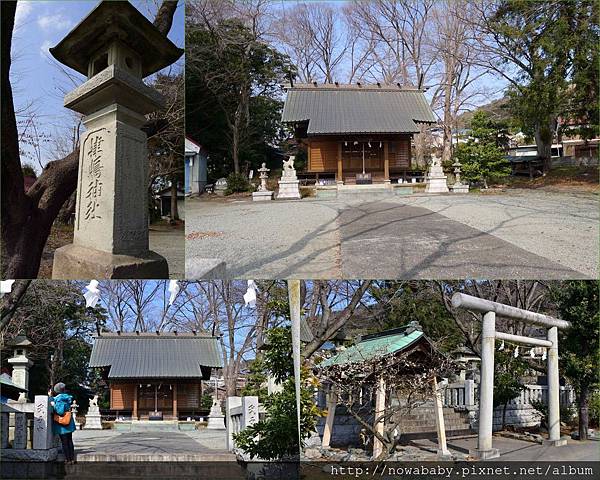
column 240, row 412
column 27, row 431
column 519, row 411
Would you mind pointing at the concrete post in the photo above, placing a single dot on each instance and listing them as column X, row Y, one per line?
column 230, row 404
column 379, row 422
column 43, row 437
column 486, row 390
column 553, row 391
column 469, row 394
column 4, row 421
column 331, row 406
column 249, row 411
column 442, row 452
column 20, row 440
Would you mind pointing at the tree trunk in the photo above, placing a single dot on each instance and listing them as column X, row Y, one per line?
column 583, row 413
column 235, row 144
column 543, row 140
column 447, row 140
column 174, row 211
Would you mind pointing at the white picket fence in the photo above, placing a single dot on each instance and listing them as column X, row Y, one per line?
column 29, row 426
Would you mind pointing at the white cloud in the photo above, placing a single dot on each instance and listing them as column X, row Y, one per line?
column 23, row 11
column 54, row 22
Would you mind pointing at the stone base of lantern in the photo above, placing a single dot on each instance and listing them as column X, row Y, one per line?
column 76, row 262
column 262, row 196
column 459, row 188
column 289, row 189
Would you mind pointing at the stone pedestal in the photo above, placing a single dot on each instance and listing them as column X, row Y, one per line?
column 111, row 215
column 261, row 196
column 436, row 180
column 216, row 419
column 289, row 189
column 459, row 188
column 93, row 421
column 289, row 183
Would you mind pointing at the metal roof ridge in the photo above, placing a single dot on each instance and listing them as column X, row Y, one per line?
column 167, row 335
column 371, row 87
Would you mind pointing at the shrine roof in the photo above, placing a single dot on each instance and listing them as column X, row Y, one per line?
column 377, row 345
column 151, row 355
column 333, row 109
column 131, row 27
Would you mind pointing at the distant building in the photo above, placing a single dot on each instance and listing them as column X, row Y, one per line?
column 164, row 197
column 196, row 167
column 155, row 375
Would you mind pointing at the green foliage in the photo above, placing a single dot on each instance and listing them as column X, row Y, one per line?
column 206, row 401
column 237, row 182
column 29, row 170
column 233, row 95
column 482, row 158
column 417, row 301
column 547, row 42
column 567, row 413
column 577, row 303
column 508, row 372
column 276, row 435
column 256, row 380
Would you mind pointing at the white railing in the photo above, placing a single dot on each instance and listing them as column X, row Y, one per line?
column 14, row 421
column 241, row 412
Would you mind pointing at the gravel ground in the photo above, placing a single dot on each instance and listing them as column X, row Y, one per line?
column 521, row 234
column 170, row 244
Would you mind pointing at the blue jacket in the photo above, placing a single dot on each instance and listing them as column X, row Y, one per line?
column 62, row 404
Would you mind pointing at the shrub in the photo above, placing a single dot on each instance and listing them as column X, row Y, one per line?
column 237, row 182
column 594, row 409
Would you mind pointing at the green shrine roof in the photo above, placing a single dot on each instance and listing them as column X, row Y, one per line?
column 151, row 355
column 376, row 345
column 331, row 109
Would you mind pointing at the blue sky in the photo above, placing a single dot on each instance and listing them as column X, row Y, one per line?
column 37, row 80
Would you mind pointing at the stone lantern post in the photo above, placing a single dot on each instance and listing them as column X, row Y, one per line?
column 115, row 46
column 20, row 363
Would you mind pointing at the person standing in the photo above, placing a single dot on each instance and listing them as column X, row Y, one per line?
column 63, row 423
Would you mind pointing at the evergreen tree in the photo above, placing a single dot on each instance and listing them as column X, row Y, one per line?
column 579, row 347
column 481, row 157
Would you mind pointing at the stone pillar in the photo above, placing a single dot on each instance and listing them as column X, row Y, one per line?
column 442, row 451
column 20, row 440
column 379, row 422
column 116, row 47
column 340, row 172
column 249, row 411
column 134, row 413
column 230, row 404
column 4, row 422
column 386, row 163
column 486, row 390
column 553, row 391
column 43, row 437
column 469, row 394
column 331, row 406
column 175, row 403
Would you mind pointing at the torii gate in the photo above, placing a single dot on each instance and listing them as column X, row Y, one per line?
column 486, row 388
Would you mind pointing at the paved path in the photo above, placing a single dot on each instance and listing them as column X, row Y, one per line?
column 519, row 450
column 154, row 446
column 518, row 234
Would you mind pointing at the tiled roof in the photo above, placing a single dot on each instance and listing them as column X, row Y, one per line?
column 156, row 356
column 349, row 109
column 377, row 345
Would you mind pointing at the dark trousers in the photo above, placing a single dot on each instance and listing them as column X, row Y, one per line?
column 67, row 446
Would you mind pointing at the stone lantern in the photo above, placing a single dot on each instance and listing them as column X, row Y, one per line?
column 115, row 46
column 19, row 361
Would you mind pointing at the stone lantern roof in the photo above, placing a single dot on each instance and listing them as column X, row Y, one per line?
column 116, row 21
column 20, row 341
